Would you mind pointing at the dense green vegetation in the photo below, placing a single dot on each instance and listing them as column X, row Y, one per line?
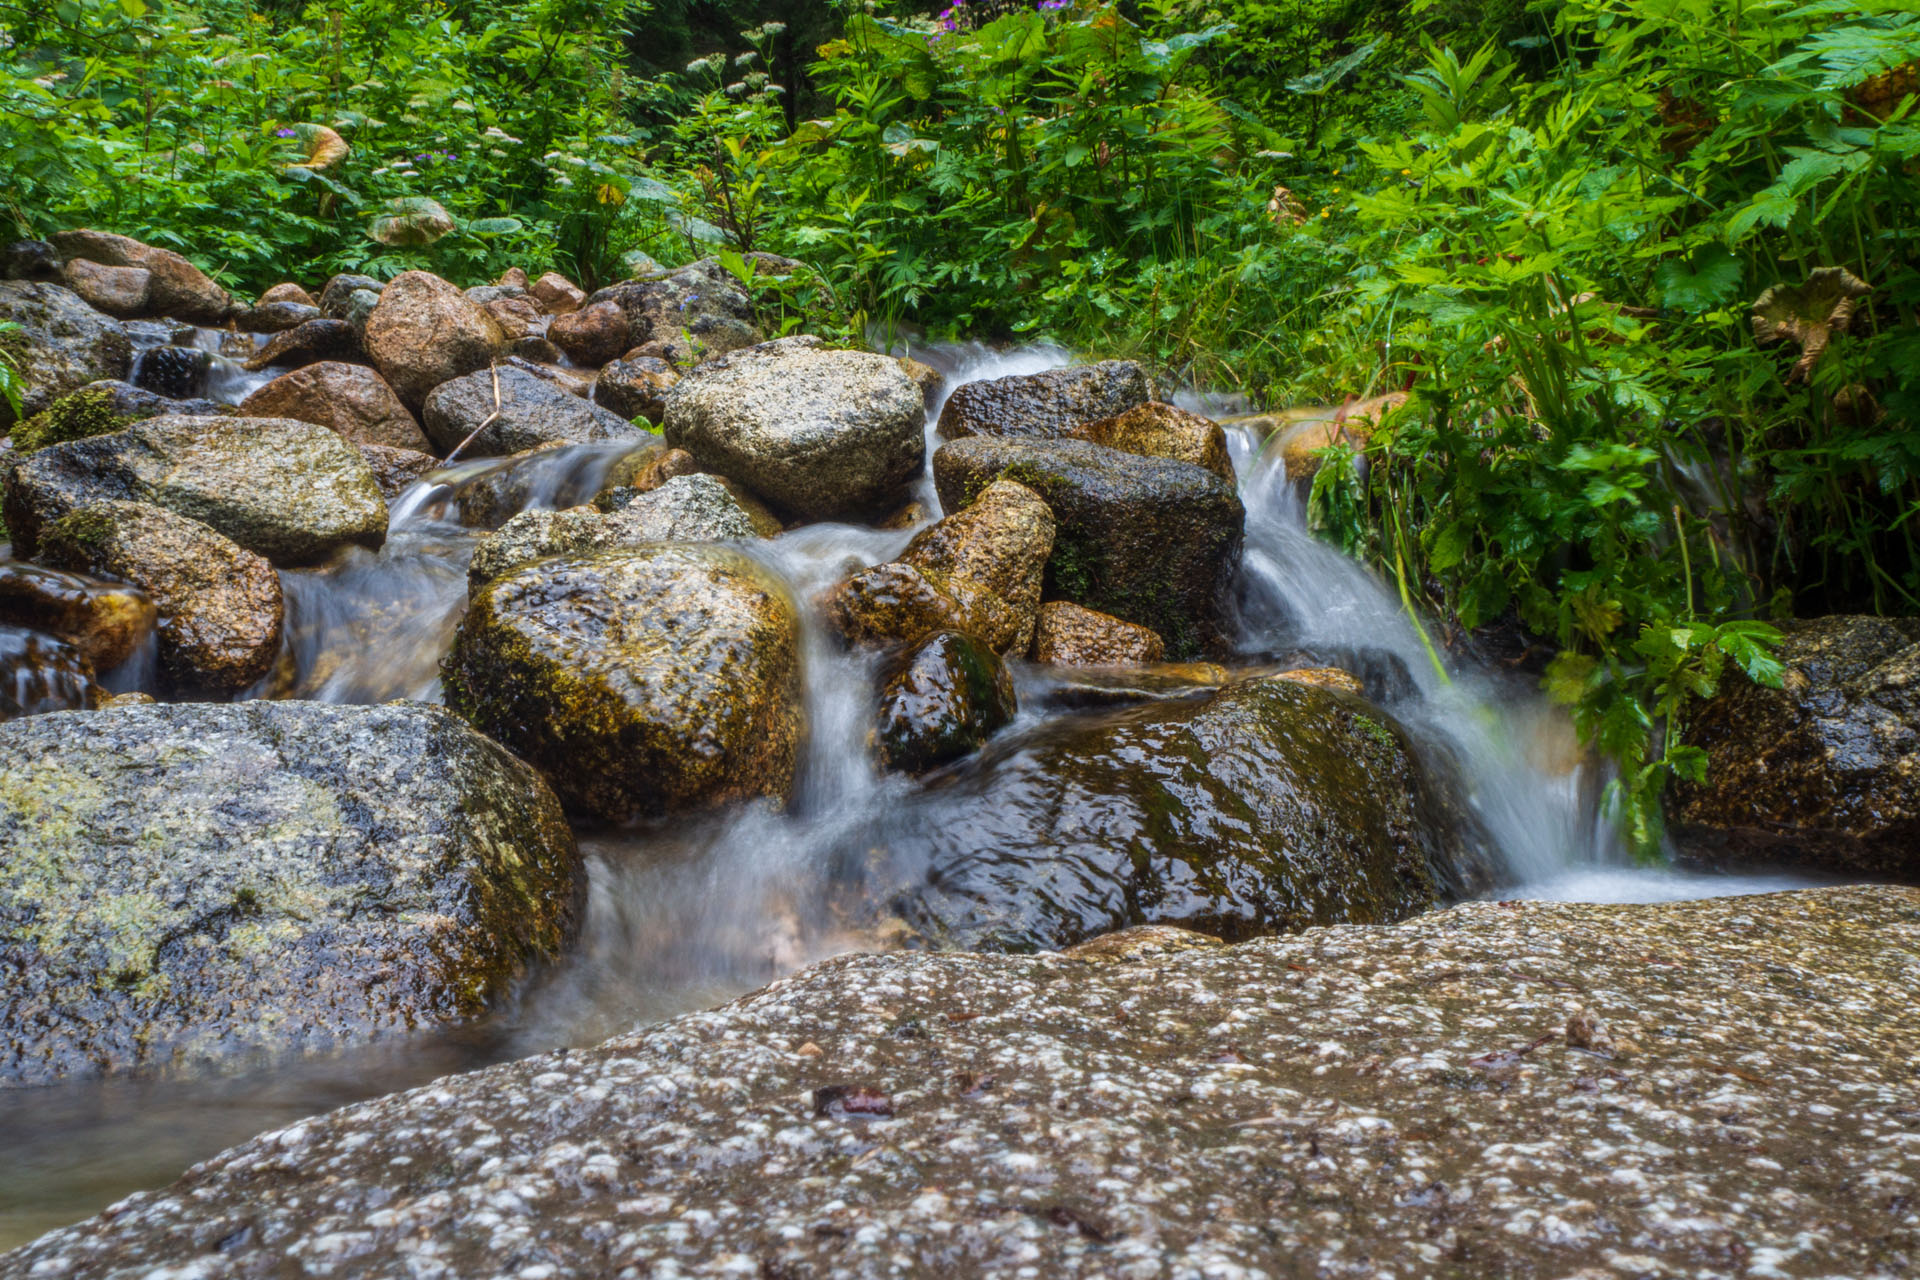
column 1646, row 267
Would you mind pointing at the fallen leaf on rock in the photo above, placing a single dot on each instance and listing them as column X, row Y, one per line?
column 1500, row 1059
column 1584, row 1031
column 836, row 1101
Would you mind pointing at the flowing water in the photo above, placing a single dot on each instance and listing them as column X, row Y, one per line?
column 688, row 914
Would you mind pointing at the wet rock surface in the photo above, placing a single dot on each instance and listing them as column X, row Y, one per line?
column 1157, row 430
column 1070, row 636
column 1266, row 806
column 684, row 509
column 657, row 679
column 219, row 605
column 1823, row 771
column 1346, row 1102
column 948, row 696
column 395, row 470
column 307, row 343
column 349, row 399
column 41, row 673
column 1044, row 406
column 1151, row 540
column 636, row 388
column 692, row 313
column 422, row 332
column 106, row 621
column 530, row 412
column 288, row 490
column 178, row 883
column 819, row 433
column 63, row 344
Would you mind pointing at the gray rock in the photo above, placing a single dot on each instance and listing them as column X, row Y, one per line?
column 821, row 434
column 1153, row 541
column 684, row 509
column 1823, row 771
column 699, row 307
column 306, row 343
column 531, row 412
column 1151, row 1106
column 129, row 401
column 1044, row 406
column 336, row 292
column 291, row 491
column 29, row 260
column 276, row 317
column 636, row 388
column 180, row 882
column 63, row 345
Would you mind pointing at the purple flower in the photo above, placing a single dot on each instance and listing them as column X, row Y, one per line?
column 286, row 133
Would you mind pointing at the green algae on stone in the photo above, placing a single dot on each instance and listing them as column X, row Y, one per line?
column 75, row 416
column 648, row 680
column 180, row 883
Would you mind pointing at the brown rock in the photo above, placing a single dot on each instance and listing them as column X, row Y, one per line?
column 1325, row 678
column 636, row 387
column 118, row 291
column 177, row 288
column 350, row 399
column 220, row 607
column 104, row 621
column 512, row 278
column 593, row 335
column 517, row 317
column 556, row 294
column 1157, row 430
column 924, row 376
column 1070, row 636
column 1297, row 434
column 424, row 332
column 305, row 343
column 395, row 470
column 286, row 292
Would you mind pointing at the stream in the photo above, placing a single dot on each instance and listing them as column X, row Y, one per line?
column 688, row 914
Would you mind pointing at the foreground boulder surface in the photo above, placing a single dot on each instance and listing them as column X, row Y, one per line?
column 1824, row 770
column 181, row 882
column 1347, row 1102
column 1267, row 806
column 819, row 433
column 291, row 491
column 423, row 331
column 63, row 344
column 351, row 399
column 648, row 680
column 1153, row 541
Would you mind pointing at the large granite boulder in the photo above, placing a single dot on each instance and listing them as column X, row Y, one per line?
column 181, row 882
column 530, row 412
column 1268, row 806
column 1044, row 406
column 1824, row 770
column 978, row 570
column 819, row 433
column 290, row 491
column 423, row 331
column 693, row 313
column 1150, row 540
column 684, row 509
column 63, row 344
column 648, row 680
column 942, row 702
column 219, row 605
column 1512, row 1089
column 351, row 400
column 175, row 287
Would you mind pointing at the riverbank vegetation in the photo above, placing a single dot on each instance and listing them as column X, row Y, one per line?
column 1646, row 269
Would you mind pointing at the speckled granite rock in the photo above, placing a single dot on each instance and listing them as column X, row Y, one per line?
column 530, row 412
column 181, row 882
column 1824, row 770
column 63, row 344
column 1347, row 1102
column 1044, row 406
column 684, row 509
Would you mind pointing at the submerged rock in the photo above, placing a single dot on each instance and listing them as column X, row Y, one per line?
column 820, row 434
column 182, row 882
column 106, row 622
column 175, row 286
column 1268, row 806
column 1150, row 540
column 350, row 400
column 979, row 571
column 530, row 412
column 291, row 491
column 63, row 344
column 1070, row 636
column 220, row 608
column 650, row 680
column 1824, row 771
column 423, row 332
column 1044, row 406
column 950, row 695
column 40, row 673
column 1305, row 1105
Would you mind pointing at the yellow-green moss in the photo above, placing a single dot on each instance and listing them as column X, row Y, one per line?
column 75, row 416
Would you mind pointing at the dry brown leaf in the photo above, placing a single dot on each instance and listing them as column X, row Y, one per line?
column 1809, row 314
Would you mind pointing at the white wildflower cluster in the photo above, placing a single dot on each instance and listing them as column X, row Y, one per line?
column 498, row 134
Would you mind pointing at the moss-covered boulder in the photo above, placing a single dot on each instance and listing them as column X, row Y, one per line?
column 178, row 883
column 684, row 509
column 944, row 701
column 220, row 607
column 62, row 345
column 77, row 415
column 1154, row 541
column 1268, row 806
column 1044, row 406
column 290, row 491
column 979, row 571
column 648, row 680
column 1824, row 771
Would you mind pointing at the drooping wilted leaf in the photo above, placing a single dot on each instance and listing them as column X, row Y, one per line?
column 411, row 221
column 323, row 146
column 1809, row 314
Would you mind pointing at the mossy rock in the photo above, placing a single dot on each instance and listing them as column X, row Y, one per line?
column 643, row 681
column 182, row 883
column 75, row 416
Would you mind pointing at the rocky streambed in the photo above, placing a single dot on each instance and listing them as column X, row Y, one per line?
column 753, row 653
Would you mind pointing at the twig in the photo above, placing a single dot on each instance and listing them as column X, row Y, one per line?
column 487, row 422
